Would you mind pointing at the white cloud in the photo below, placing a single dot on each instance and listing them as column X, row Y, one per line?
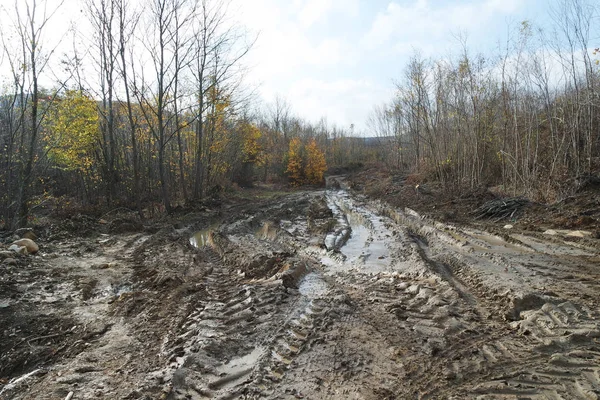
column 311, row 11
column 342, row 101
column 283, row 51
column 311, row 51
column 421, row 25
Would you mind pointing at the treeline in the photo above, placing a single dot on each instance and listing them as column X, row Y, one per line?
column 150, row 106
column 164, row 116
column 527, row 119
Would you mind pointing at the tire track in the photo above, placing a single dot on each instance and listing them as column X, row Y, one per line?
column 394, row 306
column 551, row 351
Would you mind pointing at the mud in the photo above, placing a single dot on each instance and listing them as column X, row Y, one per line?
column 319, row 295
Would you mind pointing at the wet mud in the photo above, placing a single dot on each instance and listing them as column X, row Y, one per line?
column 318, row 295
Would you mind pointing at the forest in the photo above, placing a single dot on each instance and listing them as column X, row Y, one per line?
column 151, row 111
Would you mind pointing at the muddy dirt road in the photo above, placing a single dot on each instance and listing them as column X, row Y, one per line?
column 316, row 295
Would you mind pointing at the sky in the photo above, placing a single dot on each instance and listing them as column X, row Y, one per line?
column 339, row 59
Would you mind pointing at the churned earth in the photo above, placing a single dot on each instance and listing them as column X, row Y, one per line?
column 323, row 294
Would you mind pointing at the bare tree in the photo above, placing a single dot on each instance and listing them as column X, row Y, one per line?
column 219, row 49
column 168, row 23
column 127, row 26
column 103, row 15
column 30, row 21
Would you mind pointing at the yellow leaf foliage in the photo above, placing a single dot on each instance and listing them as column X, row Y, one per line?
column 251, row 148
column 72, row 130
column 294, row 165
column 315, row 163
column 219, row 136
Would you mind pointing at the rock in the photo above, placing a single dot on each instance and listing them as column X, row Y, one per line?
column 529, row 301
column 26, row 233
column 579, row 234
column 412, row 213
column 509, row 226
column 413, row 289
column 551, row 232
column 9, row 261
column 18, row 249
column 30, row 235
column 32, row 247
column 6, row 254
column 70, row 379
column 292, row 276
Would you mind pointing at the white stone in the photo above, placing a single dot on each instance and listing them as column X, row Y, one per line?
column 32, row 247
column 579, row 234
column 18, row 249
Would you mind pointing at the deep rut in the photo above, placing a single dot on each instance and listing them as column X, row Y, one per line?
column 387, row 304
column 330, row 295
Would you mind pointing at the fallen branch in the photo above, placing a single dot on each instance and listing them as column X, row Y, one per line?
column 46, row 337
column 118, row 209
column 14, row 383
column 29, row 339
column 500, row 209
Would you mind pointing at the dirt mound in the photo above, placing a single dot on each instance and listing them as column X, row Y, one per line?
column 125, row 225
column 579, row 211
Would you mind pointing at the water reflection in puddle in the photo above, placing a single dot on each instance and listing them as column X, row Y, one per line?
column 200, row 238
column 365, row 247
column 240, row 367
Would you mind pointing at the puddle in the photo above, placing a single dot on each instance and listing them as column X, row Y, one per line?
column 360, row 236
column 552, row 248
column 114, row 290
column 492, row 243
column 268, row 231
column 200, row 238
column 238, row 369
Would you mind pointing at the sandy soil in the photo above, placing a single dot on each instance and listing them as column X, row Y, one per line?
column 320, row 294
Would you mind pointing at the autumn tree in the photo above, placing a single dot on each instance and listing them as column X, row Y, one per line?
column 71, row 135
column 315, row 163
column 251, row 148
column 294, row 168
column 252, row 153
column 71, row 132
column 127, row 23
column 218, row 49
column 526, row 120
column 218, row 135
